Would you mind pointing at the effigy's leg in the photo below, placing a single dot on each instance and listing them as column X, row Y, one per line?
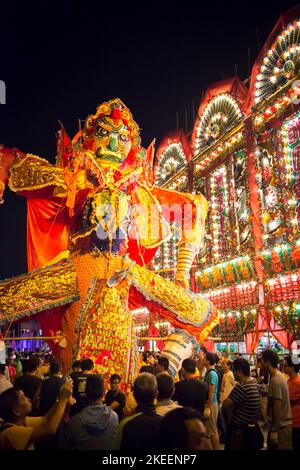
column 184, row 309
column 87, row 267
column 105, row 327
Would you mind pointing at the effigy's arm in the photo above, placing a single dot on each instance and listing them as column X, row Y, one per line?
column 190, row 211
column 181, row 307
column 40, row 290
column 30, row 175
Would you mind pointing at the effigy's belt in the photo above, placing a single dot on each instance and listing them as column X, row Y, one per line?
column 40, row 290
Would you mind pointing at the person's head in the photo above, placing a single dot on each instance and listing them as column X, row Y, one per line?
column 269, row 359
column 182, row 429
column 87, row 365
column 55, row 366
column 188, row 368
column 210, row 359
column 163, row 363
column 94, row 388
column 241, row 369
column 11, row 354
column 149, row 369
column 145, row 389
column 257, row 362
column 115, row 382
column 165, row 386
column 76, row 367
column 226, row 365
column 32, row 365
column 217, row 358
column 151, row 359
column 202, row 352
column 14, row 405
column 2, row 369
column 144, row 356
column 290, row 367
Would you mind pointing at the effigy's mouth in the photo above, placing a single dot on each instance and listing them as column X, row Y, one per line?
column 109, row 155
column 108, row 152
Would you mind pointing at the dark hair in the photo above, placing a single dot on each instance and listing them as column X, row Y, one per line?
column 2, row 368
column 217, row 358
column 94, row 387
column 165, row 385
column 145, row 388
column 33, row 363
column 87, row 364
column 203, row 349
column 189, row 365
column 290, row 363
column 55, row 366
column 163, row 362
column 115, row 377
column 8, row 401
column 76, row 365
column 211, row 358
column 149, row 369
column 228, row 362
column 145, row 355
column 271, row 356
column 173, row 431
column 241, row 365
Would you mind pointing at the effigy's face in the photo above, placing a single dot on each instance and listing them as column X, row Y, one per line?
column 111, row 140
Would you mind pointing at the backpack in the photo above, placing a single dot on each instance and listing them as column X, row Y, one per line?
column 219, row 382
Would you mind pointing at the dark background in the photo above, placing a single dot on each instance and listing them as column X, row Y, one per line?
column 60, row 61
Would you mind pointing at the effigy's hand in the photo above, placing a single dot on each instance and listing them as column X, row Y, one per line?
column 7, row 159
column 181, row 280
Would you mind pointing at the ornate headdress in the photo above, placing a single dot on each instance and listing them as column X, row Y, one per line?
column 120, row 114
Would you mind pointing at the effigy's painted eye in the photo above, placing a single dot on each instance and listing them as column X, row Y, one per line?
column 102, row 132
column 124, row 137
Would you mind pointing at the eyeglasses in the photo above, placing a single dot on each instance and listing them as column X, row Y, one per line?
column 114, row 383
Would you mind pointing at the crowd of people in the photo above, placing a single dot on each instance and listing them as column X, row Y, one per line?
column 215, row 402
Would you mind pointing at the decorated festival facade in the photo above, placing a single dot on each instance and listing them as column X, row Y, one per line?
column 125, row 244
column 243, row 155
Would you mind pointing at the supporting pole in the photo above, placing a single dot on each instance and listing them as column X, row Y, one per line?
column 158, row 338
column 27, row 338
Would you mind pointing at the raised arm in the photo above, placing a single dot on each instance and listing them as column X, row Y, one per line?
column 29, row 175
column 190, row 211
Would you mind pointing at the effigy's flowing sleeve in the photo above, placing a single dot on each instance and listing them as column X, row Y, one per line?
column 30, row 175
column 45, row 189
column 189, row 211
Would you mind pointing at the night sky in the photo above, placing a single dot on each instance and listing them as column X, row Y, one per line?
column 59, row 62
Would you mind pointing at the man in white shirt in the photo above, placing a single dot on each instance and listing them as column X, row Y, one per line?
column 228, row 381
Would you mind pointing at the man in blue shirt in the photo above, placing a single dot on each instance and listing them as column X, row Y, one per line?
column 212, row 405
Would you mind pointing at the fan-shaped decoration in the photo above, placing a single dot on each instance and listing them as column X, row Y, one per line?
column 221, row 114
column 281, row 63
column 169, row 163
